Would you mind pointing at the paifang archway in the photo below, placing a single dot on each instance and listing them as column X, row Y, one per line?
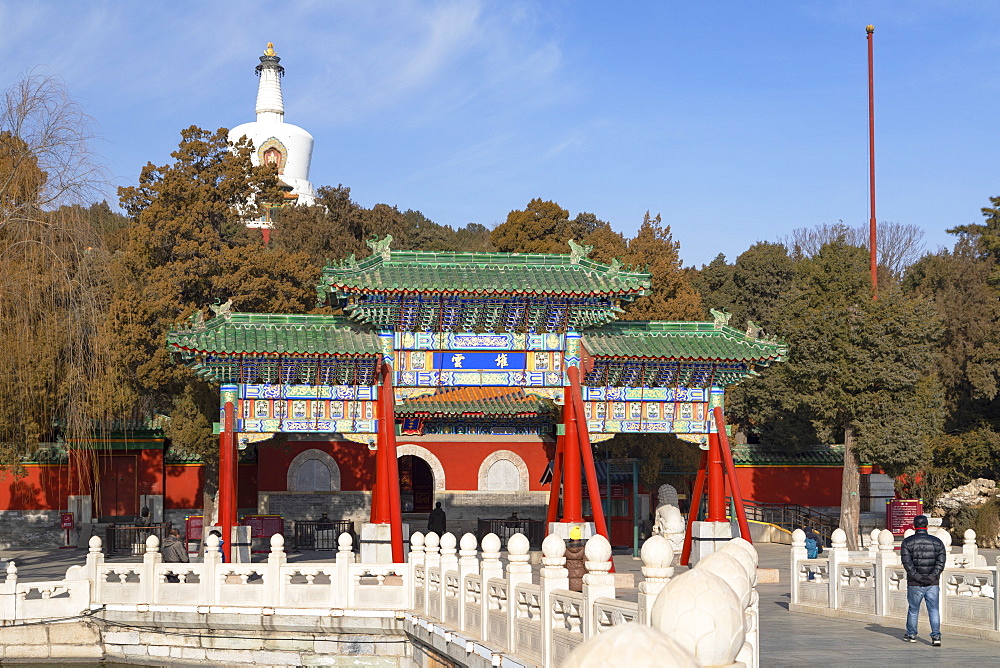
column 467, row 344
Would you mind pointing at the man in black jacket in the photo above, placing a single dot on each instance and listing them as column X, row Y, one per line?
column 923, row 558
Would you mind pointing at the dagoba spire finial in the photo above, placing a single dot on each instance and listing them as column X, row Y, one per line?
column 270, row 105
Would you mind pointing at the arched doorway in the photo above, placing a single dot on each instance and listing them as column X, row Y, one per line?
column 416, row 485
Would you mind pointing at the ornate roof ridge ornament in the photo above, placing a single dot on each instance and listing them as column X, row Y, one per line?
column 721, row 317
column 381, row 247
column 754, row 331
column 197, row 320
column 220, row 309
column 578, row 252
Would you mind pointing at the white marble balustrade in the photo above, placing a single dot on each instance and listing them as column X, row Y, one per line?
column 451, row 585
column 876, row 585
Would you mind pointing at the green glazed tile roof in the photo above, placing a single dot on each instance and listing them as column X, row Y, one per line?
column 769, row 455
column 274, row 334
column 485, row 401
column 680, row 341
column 481, row 273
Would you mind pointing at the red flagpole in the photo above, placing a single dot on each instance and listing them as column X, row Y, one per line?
column 872, row 236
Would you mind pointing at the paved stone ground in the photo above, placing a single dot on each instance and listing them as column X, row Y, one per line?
column 787, row 639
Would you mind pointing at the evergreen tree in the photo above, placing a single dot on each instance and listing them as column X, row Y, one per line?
column 671, row 297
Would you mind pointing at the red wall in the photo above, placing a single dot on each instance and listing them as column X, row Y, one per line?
column 461, row 461
column 183, row 486
column 356, row 462
column 804, row 485
column 43, row 488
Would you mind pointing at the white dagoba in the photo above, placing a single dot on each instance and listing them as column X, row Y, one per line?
column 275, row 141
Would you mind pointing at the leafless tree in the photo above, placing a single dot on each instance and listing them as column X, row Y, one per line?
column 899, row 244
column 56, row 377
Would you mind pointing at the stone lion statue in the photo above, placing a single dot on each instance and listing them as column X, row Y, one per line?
column 668, row 521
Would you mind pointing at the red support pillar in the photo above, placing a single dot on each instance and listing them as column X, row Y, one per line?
column 392, row 465
column 734, row 483
column 587, row 454
column 696, row 494
column 381, row 509
column 553, row 512
column 227, row 478
column 716, row 483
column 572, row 480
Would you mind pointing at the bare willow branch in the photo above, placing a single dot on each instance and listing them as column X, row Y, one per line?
column 899, row 245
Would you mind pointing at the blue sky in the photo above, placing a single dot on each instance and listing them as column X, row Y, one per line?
column 737, row 121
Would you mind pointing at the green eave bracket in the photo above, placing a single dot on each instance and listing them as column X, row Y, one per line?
column 216, row 428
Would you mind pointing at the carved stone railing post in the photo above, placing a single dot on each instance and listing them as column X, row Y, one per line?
column 657, row 556
column 598, row 582
column 838, row 554
column 95, row 559
column 419, row 586
column 8, row 594
column 970, row 549
column 552, row 576
column 432, row 560
column 873, row 544
column 996, row 597
column 886, row 556
column 449, row 557
column 798, row 553
column 518, row 572
column 212, row 561
column 150, row 559
column 468, row 564
column 489, row 568
column 276, row 558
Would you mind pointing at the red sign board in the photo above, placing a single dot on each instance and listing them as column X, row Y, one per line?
column 66, row 521
column 192, row 527
column 263, row 527
column 899, row 514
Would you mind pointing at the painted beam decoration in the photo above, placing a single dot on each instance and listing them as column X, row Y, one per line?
column 509, row 324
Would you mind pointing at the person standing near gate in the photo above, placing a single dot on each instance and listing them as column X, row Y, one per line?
column 437, row 521
column 923, row 557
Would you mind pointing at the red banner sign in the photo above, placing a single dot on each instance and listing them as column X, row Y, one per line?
column 899, row 514
column 264, row 526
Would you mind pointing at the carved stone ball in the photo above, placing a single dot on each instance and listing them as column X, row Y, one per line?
column 838, row 538
column 634, row 645
column 945, row 537
column 747, row 547
column 908, row 533
column 518, row 544
column 970, row 535
column 468, row 542
column 702, row 613
column 745, row 560
column 95, row 543
column 152, row 543
column 491, row 543
column 657, row 552
column 212, row 542
column 885, row 537
column 416, row 539
column 431, row 540
column 597, row 549
column 344, row 541
column 448, row 542
column 728, row 567
column 553, row 546
column 798, row 538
